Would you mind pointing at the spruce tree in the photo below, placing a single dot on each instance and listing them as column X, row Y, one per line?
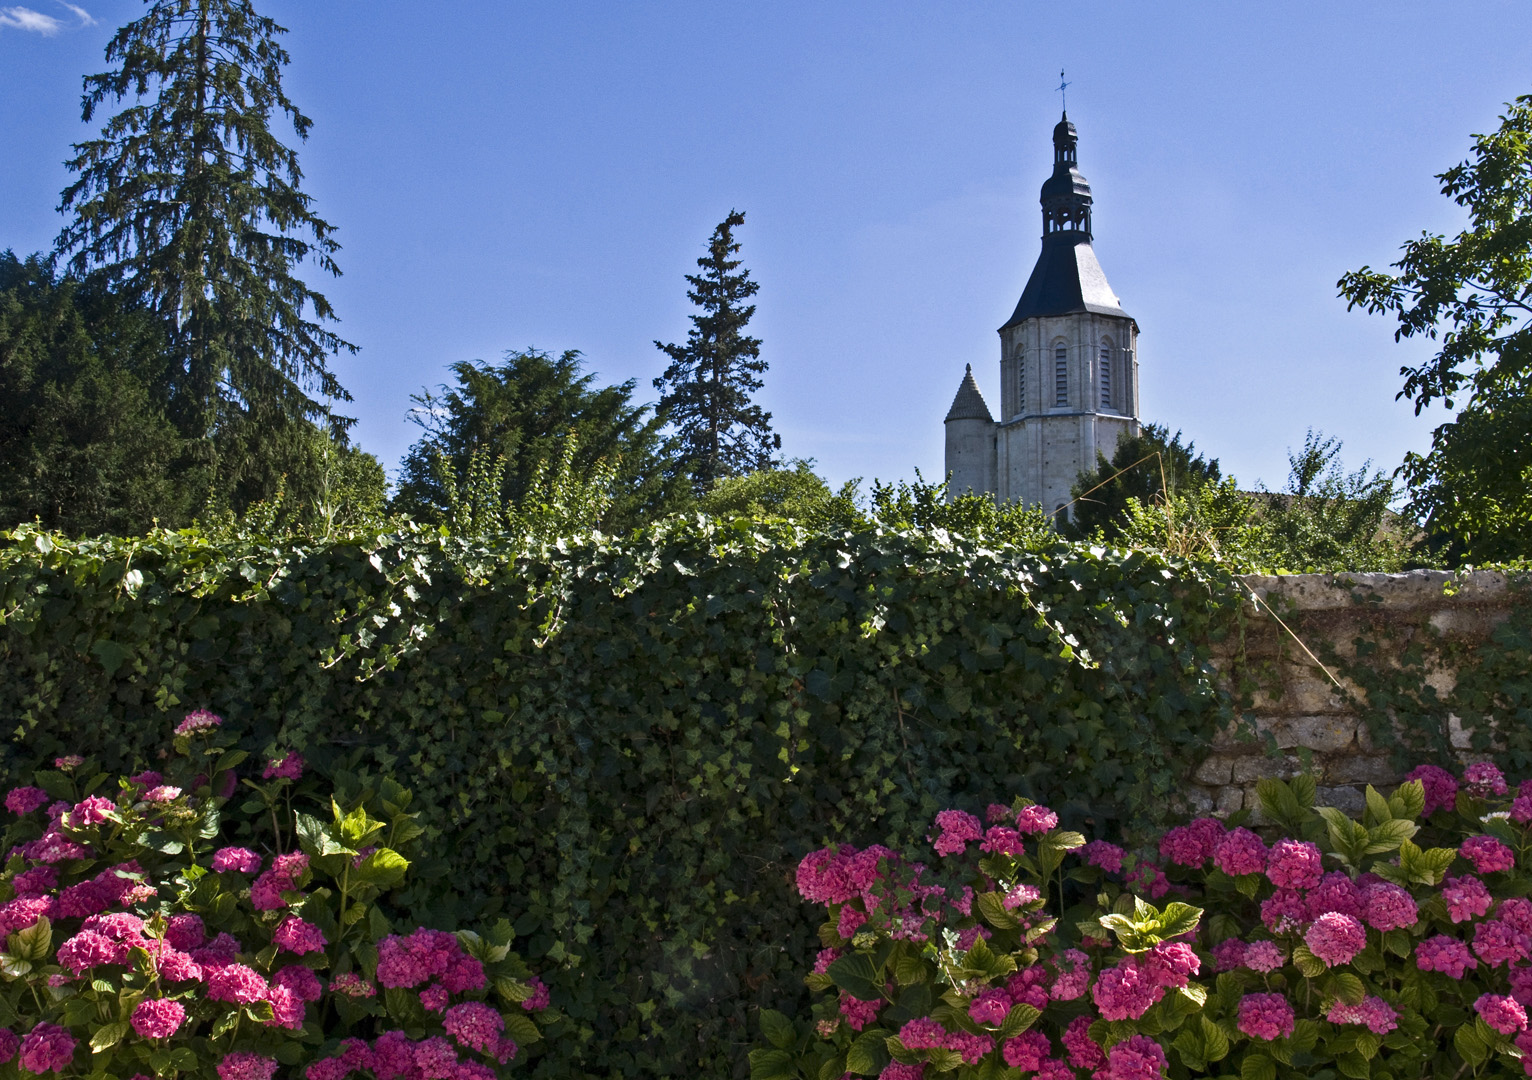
column 189, row 204
column 706, row 390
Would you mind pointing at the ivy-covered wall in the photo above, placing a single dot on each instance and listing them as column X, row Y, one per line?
column 627, row 746
column 1357, row 678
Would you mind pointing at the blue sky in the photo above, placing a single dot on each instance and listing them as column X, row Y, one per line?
column 509, row 174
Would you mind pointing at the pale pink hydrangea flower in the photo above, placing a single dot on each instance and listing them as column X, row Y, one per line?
column 1020, row 896
column 1502, row 1013
column 1441, row 787
column 163, row 794
column 1336, row 938
column 1264, row 956
column 1444, row 954
column 1265, row 1016
column 1377, row 1015
column 1487, row 854
column 1483, row 779
column 1466, row 898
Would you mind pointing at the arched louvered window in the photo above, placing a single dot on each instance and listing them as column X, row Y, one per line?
column 1021, row 382
column 1106, row 375
column 1060, row 377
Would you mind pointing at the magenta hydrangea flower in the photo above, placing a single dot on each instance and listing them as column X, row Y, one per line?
column 23, row 800
column 172, row 965
column 1444, row 954
column 996, row 813
column 185, row 932
column 1170, row 963
column 1294, row 864
column 1264, row 956
column 89, row 949
column 286, row 1007
column 47, row 1048
column 1026, row 1051
column 200, row 720
column 1125, row 992
column 1386, row 906
column 1193, row 844
column 304, row 984
column 91, row 810
column 1265, row 1016
column 300, row 937
column 1516, row 911
column 1377, row 1015
column 1239, row 852
column 287, row 767
column 1228, row 954
column 68, row 762
column 163, row 794
column 1502, row 1013
column 1084, row 1052
column 246, row 1066
column 475, row 1025
column 1036, row 819
column 1284, row 911
column 350, row 984
column 1441, row 787
column 1336, row 938
column 990, row 1007
column 1000, row 840
column 236, row 859
column 1466, row 898
column 1073, row 975
column 1487, row 854
column 355, row 1056
column 858, row 1013
column 1521, row 809
column 924, row 1033
column 1103, row 856
column 1138, row 1057
column 1521, row 985
column 1499, row 943
column 10, row 1042
column 236, row 983
column 1483, row 779
column 541, row 997
column 957, row 828
column 157, row 1018
column 1335, row 892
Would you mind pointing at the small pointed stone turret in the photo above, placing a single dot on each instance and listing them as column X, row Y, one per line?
column 970, row 441
column 969, row 403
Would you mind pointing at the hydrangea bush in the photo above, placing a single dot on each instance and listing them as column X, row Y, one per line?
column 140, row 941
column 1395, row 946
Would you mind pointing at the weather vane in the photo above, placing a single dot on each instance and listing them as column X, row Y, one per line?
column 1063, row 100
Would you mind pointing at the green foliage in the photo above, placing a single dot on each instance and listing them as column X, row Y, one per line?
column 558, row 503
column 1471, row 294
column 523, row 413
column 925, row 507
column 86, row 446
column 189, row 205
column 710, row 380
column 1212, row 521
column 796, row 493
column 623, row 747
column 1147, row 467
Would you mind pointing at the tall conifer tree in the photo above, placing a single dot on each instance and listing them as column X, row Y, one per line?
column 190, row 205
column 708, row 385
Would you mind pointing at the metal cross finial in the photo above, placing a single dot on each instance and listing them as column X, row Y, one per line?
column 1063, row 99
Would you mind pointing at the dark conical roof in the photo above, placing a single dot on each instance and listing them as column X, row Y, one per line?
column 969, row 402
column 1067, row 277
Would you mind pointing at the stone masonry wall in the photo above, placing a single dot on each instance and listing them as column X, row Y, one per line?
column 1301, row 707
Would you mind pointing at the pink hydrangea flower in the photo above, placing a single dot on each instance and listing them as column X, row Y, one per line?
column 23, row 800
column 1335, row 892
column 147, row 779
column 1444, row 954
column 1000, row 840
column 200, row 720
column 1036, row 819
column 304, row 984
column 474, row 1025
column 1104, row 856
column 435, row 998
column 541, row 998
column 22, row 913
column 172, row 965
column 1294, row 864
column 286, row 1007
column 91, row 810
column 1026, row 1051
column 68, row 761
column 1228, row 954
column 236, row 983
column 957, row 828
column 1441, row 787
column 1265, row 1016
column 299, row 937
column 924, row 1033
column 1084, row 1052
column 822, row 877
column 1499, row 943
column 1521, row 984
column 1336, row 938
column 1521, row 809
column 37, row 881
column 10, row 1042
column 350, row 984
column 245, row 1066
column 89, row 949
column 236, row 859
column 1239, row 852
column 1138, row 1057
column 1073, row 975
column 185, row 932
column 287, row 767
column 1125, row 992
column 436, row 1059
column 858, row 1013
column 1484, row 780
column 1029, row 986
column 163, row 794
column 1377, row 1015
column 1386, row 906
column 1466, row 898
column 1517, row 912
column 1170, row 963
column 971, row 1048
column 355, row 1056
column 1502, row 1013
column 989, row 1007
column 157, row 1018
column 1020, row 896
column 1284, row 911
column 1193, row 844
column 47, row 1048
column 1487, row 854
column 995, row 813
column 1264, row 956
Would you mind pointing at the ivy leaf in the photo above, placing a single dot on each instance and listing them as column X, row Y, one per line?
column 778, row 1029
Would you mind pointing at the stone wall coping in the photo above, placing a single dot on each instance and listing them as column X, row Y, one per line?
column 1411, row 589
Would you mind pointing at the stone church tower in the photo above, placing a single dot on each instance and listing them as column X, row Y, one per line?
column 1068, row 364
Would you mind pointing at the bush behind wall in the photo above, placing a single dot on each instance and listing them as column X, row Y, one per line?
column 627, row 745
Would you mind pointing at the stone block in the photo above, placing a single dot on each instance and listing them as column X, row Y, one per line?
column 1196, row 801
column 1467, row 621
column 1374, row 769
column 1217, row 769
column 1228, row 800
column 1351, row 800
column 1321, row 734
column 1259, row 767
column 1309, row 691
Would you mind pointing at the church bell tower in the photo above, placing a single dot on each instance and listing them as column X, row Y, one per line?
column 1068, row 364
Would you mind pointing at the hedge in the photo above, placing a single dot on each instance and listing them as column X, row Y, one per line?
column 625, row 746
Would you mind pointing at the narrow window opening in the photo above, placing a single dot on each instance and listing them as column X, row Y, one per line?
column 1021, row 382
column 1106, row 376
column 1060, row 377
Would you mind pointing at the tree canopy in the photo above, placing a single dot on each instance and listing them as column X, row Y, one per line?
column 1147, row 466
column 708, row 386
column 1473, row 294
